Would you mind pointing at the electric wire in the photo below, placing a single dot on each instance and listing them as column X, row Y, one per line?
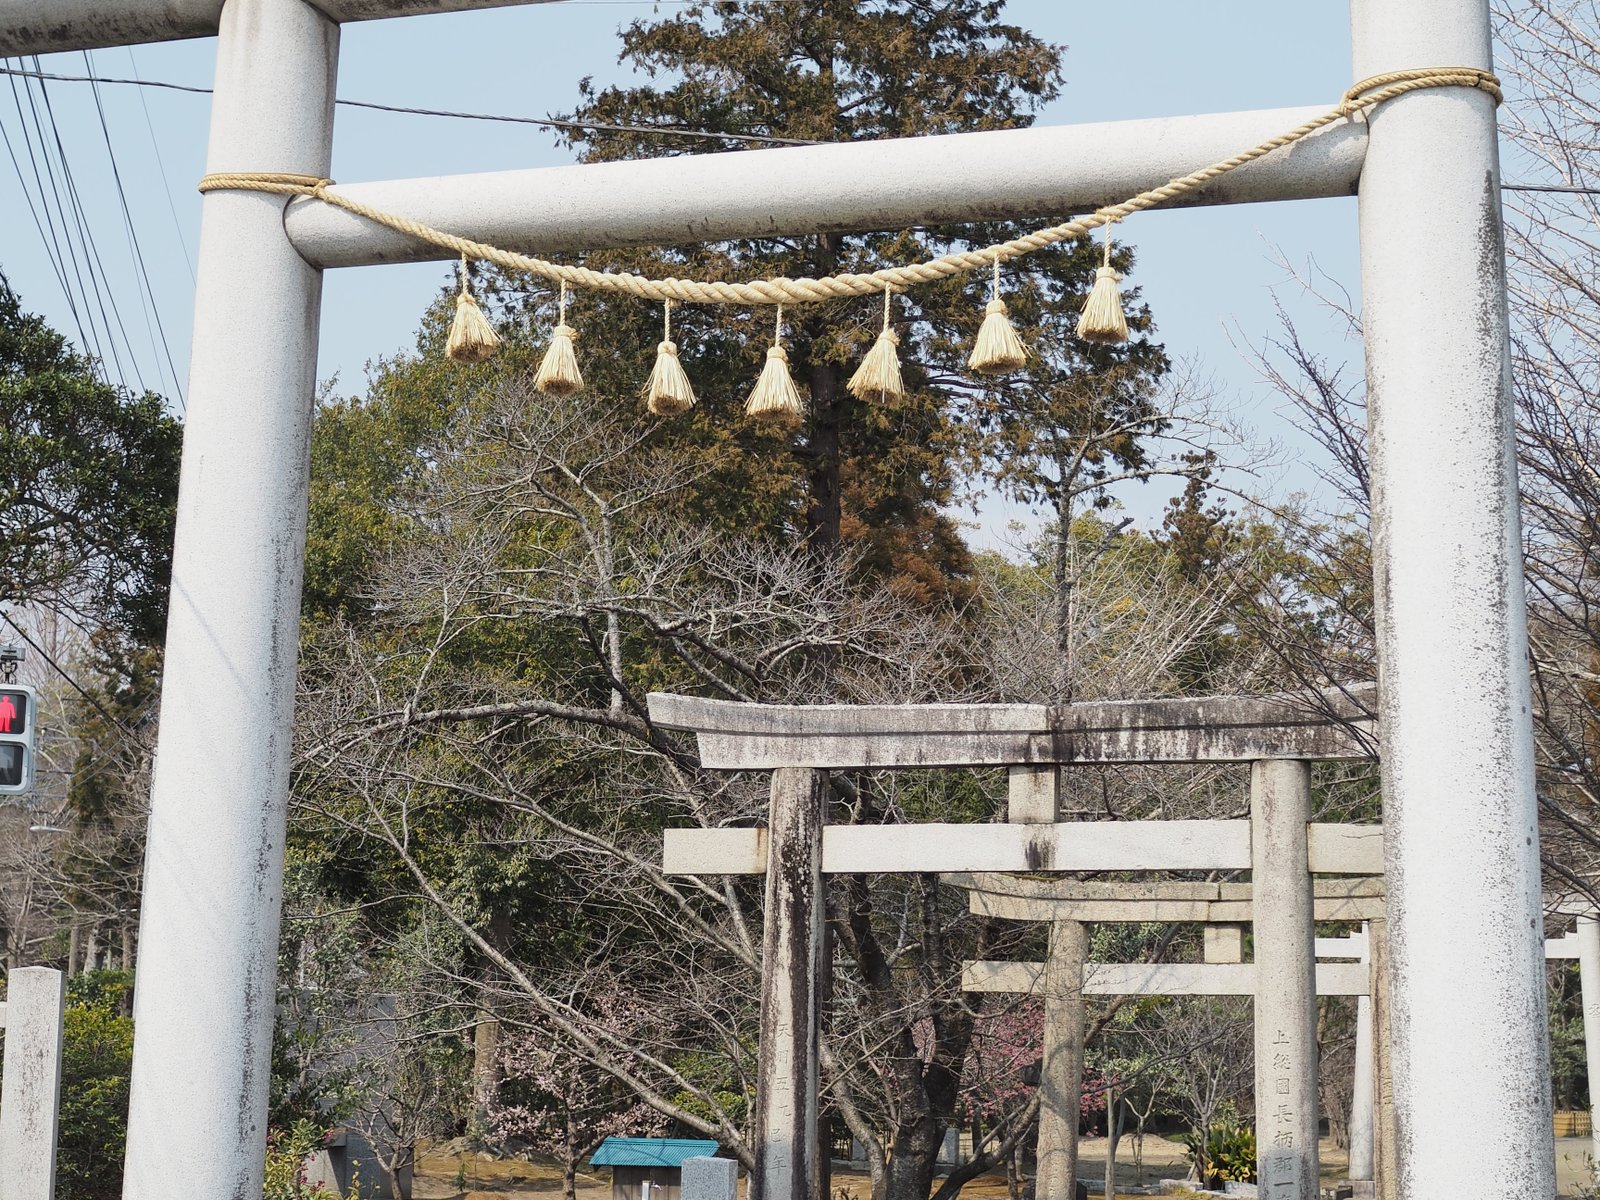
column 166, row 184
column 548, row 122
column 49, row 248
column 52, row 238
column 72, row 218
column 73, row 250
column 73, row 683
column 97, row 270
column 130, row 238
column 137, row 251
column 69, row 223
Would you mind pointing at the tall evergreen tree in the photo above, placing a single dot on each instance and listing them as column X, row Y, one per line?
column 876, row 478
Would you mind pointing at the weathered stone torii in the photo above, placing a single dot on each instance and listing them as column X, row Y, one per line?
column 1276, row 735
column 1065, row 978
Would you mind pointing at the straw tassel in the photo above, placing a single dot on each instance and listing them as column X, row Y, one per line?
column 775, row 398
column 472, row 339
column 558, row 372
column 1103, row 319
column 878, row 376
column 670, row 392
column 998, row 349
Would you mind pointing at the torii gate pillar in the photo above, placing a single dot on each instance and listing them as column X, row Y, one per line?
column 207, row 964
column 1470, row 1041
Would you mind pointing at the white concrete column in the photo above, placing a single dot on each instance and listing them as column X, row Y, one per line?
column 1286, row 981
column 1589, row 982
column 214, row 863
column 1469, row 1028
column 1361, row 1091
column 31, row 1095
column 786, row 1087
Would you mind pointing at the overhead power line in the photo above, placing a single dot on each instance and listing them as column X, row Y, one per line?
column 1550, row 187
column 147, row 296
column 601, row 126
column 76, row 686
column 546, row 122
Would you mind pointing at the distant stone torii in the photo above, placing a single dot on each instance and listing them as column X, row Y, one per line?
column 1277, row 736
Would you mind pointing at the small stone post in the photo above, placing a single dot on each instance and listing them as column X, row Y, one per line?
column 1386, row 1156
column 1034, row 798
column 1589, row 982
column 710, row 1179
column 1286, row 982
column 1361, row 1093
column 30, row 1096
column 786, row 1090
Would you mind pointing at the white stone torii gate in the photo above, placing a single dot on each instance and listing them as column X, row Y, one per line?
column 1461, row 845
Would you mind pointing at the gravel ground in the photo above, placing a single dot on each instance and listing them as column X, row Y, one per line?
column 477, row 1177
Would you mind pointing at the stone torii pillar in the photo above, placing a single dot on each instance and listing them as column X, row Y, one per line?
column 213, row 882
column 787, row 1077
column 1034, row 797
column 1469, row 1029
column 1363, row 1093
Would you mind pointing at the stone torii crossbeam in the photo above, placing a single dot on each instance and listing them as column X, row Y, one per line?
column 1461, row 841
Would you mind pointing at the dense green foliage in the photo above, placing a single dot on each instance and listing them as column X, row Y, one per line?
column 88, row 482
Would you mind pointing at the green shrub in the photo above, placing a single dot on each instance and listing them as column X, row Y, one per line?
column 286, row 1155
column 96, row 1061
column 1224, row 1153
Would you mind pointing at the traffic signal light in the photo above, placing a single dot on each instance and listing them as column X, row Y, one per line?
column 18, row 716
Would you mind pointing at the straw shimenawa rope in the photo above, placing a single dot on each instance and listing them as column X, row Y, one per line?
column 1367, row 94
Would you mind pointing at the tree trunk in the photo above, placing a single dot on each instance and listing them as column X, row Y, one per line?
column 125, row 1005
column 485, row 1066
column 1113, row 1136
column 486, row 1032
column 915, row 1158
column 1138, row 1152
column 823, row 515
column 1064, row 576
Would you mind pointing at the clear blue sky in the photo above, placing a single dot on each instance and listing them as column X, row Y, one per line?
column 1208, row 274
